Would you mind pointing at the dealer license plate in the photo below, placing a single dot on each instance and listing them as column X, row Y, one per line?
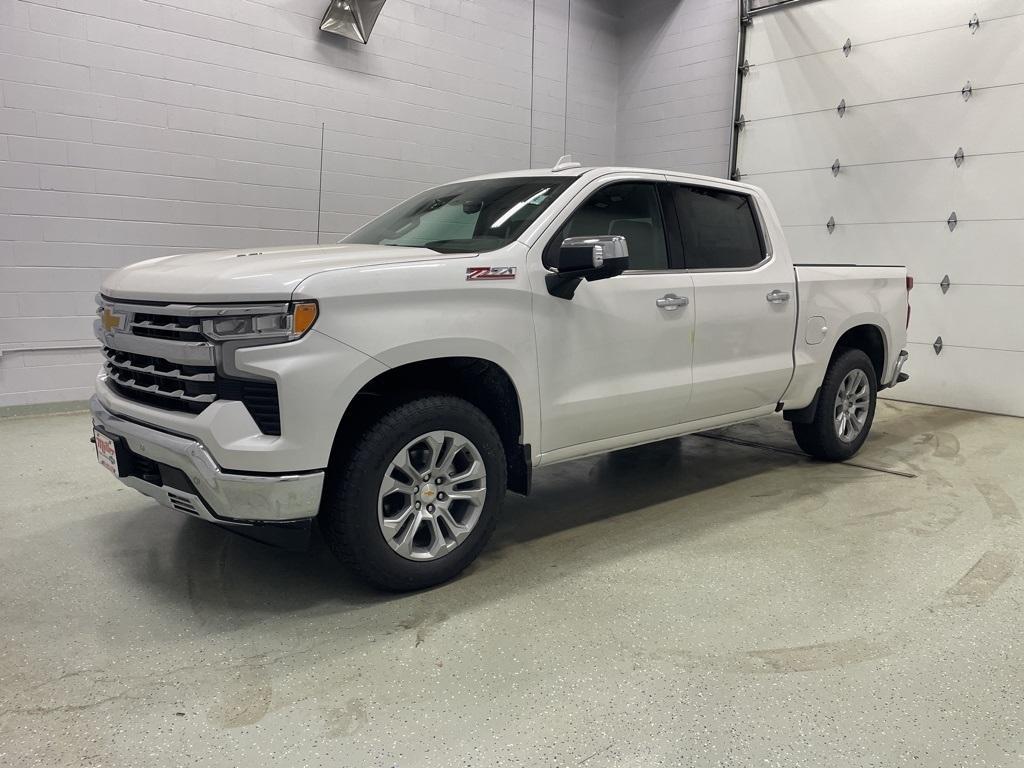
column 106, row 451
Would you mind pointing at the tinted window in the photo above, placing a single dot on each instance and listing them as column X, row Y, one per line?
column 718, row 228
column 464, row 217
column 631, row 210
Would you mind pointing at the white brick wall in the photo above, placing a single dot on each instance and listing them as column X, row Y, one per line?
column 135, row 128
column 677, row 78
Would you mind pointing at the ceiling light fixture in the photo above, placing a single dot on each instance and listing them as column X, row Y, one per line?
column 351, row 18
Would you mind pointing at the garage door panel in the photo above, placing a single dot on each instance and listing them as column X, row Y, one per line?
column 828, row 24
column 977, row 252
column 989, row 187
column 964, row 316
column 931, row 127
column 876, row 193
column 977, row 379
column 879, row 71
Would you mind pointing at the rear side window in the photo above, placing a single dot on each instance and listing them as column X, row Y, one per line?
column 718, row 228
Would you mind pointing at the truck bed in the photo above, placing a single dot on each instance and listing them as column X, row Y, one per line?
column 832, row 299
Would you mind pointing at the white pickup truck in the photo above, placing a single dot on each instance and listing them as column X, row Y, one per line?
column 395, row 385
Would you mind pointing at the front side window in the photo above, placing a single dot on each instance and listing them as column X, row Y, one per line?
column 719, row 229
column 630, row 209
column 464, row 217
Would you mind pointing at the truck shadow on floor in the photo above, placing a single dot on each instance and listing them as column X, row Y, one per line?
column 581, row 513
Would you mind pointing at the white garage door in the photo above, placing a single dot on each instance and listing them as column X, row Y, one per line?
column 919, row 82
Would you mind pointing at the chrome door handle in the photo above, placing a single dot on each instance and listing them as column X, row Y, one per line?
column 777, row 297
column 672, row 302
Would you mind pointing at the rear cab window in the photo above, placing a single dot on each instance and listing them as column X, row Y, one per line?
column 719, row 229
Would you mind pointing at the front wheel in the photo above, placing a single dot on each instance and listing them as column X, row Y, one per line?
column 416, row 498
column 845, row 410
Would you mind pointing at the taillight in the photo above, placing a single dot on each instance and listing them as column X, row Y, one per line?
column 910, row 287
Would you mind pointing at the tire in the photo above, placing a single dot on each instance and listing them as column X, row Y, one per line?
column 355, row 511
column 821, row 437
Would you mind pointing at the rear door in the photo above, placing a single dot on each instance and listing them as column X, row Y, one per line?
column 745, row 302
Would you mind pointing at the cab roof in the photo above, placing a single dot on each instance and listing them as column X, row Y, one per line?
column 577, row 172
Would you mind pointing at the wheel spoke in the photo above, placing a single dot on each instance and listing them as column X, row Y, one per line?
column 434, row 442
column 403, row 462
column 474, row 495
column 458, row 530
column 452, row 445
column 438, row 543
column 398, row 538
column 393, row 485
column 475, row 471
column 858, row 417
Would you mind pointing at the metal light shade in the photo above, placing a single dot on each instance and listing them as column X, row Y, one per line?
column 351, row 18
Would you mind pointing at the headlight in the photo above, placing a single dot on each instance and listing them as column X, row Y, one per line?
column 270, row 326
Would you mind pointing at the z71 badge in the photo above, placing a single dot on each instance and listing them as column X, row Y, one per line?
column 490, row 273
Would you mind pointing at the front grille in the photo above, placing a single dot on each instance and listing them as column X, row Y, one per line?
column 145, row 362
column 157, row 382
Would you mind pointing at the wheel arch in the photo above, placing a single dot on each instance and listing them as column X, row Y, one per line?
column 870, row 339
column 479, row 380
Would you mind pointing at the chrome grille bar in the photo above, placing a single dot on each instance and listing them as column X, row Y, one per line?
column 170, row 326
column 193, row 310
column 153, row 389
column 175, row 373
column 180, row 352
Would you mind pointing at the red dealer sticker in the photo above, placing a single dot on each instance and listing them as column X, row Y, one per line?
column 490, row 273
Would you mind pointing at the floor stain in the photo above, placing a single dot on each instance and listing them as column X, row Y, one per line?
column 946, row 445
column 424, row 625
column 809, row 658
column 1000, row 503
column 346, row 720
column 986, row 576
column 245, row 701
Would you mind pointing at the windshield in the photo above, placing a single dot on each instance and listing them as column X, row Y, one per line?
column 464, row 217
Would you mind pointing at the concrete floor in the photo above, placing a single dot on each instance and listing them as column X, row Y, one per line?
column 694, row 602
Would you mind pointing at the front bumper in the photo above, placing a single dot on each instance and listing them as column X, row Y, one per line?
column 187, row 478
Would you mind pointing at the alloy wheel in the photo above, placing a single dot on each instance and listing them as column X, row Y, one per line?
column 432, row 494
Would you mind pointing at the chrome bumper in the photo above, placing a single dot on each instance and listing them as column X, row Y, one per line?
column 216, row 495
column 898, row 377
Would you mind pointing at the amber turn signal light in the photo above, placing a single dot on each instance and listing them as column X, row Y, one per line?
column 303, row 317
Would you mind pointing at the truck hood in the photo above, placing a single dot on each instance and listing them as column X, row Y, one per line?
column 267, row 274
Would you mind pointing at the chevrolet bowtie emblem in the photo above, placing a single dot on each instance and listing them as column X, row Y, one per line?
column 109, row 320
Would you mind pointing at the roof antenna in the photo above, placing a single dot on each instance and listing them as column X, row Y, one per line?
column 565, row 162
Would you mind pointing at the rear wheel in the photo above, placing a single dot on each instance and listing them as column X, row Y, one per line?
column 845, row 410
column 418, row 495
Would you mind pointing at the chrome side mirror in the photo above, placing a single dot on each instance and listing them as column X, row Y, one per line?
column 596, row 257
column 605, row 253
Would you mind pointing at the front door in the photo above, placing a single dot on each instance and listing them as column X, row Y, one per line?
column 614, row 360
column 745, row 303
